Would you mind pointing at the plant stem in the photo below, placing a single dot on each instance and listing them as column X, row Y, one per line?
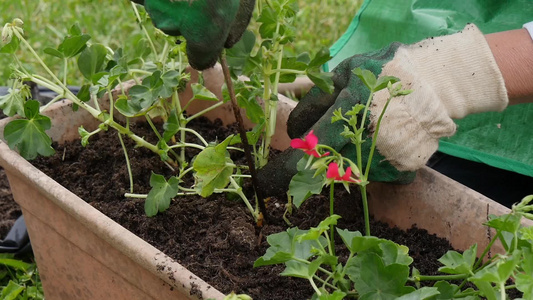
column 313, row 284
column 131, row 195
column 374, row 138
column 244, row 138
column 43, row 108
column 202, row 112
column 365, row 208
column 152, row 46
column 238, row 191
column 331, row 212
column 128, row 165
column 201, row 138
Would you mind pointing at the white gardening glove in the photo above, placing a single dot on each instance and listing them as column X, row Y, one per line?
column 451, row 77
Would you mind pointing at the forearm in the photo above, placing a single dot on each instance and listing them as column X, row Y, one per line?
column 513, row 52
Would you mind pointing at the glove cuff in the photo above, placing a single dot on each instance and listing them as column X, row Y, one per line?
column 462, row 71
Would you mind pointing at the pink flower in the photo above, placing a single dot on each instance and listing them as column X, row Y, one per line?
column 308, row 145
column 333, row 173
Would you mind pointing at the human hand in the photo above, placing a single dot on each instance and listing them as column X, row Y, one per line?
column 451, row 77
column 207, row 25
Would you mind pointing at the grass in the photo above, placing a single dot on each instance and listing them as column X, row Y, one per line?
column 113, row 24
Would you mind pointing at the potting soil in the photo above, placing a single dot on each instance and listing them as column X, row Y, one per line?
column 215, row 238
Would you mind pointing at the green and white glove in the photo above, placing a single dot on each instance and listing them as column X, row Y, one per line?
column 451, row 77
column 207, row 25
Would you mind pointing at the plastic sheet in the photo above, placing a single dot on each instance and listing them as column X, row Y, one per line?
column 503, row 140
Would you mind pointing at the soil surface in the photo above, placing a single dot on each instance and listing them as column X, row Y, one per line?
column 215, row 238
column 9, row 209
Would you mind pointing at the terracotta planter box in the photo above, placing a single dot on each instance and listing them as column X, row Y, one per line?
column 82, row 254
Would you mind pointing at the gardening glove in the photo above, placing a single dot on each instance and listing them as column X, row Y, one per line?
column 451, row 77
column 207, row 25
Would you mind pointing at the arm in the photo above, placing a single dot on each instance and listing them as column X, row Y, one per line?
column 513, row 52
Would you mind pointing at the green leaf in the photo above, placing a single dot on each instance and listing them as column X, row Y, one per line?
column 28, row 135
column 337, row 295
column 73, row 45
column 304, row 183
column 213, row 167
column 321, row 57
column 12, row 103
column 247, row 99
column 11, row 291
column 75, row 29
column 15, row 263
column 456, row 263
column 347, row 237
column 509, row 223
column 252, row 136
column 91, row 60
column 142, row 96
column 200, row 92
column 487, row 290
column 377, row 281
column 269, row 22
column 171, row 126
column 323, row 80
column 367, row 77
column 11, row 47
column 315, row 232
column 284, row 246
column 161, row 194
column 337, row 115
column 383, row 81
column 85, row 135
column 297, row 269
column 171, row 80
column 290, row 63
column 446, row 290
column 393, row 253
column 54, row 52
column 238, row 56
column 500, row 272
column 421, row 294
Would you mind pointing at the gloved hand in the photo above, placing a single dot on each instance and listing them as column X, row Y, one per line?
column 451, row 76
column 207, row 25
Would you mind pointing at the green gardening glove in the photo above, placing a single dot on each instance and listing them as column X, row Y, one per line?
column 451, row 77
column 207, row 25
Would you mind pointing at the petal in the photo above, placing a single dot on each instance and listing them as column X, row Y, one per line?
column 299, row 144
column 311, row 139
column 312, row 152
column 325, row 154
column 333, row 171
column 346, row 176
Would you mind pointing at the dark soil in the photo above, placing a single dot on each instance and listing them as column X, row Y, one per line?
column 215, row 238
column 9, row 210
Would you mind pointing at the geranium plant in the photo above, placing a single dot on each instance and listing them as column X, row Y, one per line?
column 158, row 68
column 378, row 268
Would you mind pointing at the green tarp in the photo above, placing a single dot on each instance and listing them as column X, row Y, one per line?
column 503, row 140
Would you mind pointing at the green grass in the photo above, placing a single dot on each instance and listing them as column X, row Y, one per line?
column 112, row 23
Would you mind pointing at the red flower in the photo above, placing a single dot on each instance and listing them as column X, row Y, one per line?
column 333, row 173
column 308, row 145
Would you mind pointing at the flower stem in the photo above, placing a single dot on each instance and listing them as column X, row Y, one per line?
column 365, row 209
column 331, row 212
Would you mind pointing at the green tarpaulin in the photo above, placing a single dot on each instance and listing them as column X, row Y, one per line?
column 503, row 140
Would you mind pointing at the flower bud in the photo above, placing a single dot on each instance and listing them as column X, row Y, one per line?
column 7, row 33
column 18, row 22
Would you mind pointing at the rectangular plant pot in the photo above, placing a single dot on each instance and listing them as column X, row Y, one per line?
column 82, row 254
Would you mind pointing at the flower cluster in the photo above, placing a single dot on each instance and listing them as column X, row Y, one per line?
column 309, row 145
